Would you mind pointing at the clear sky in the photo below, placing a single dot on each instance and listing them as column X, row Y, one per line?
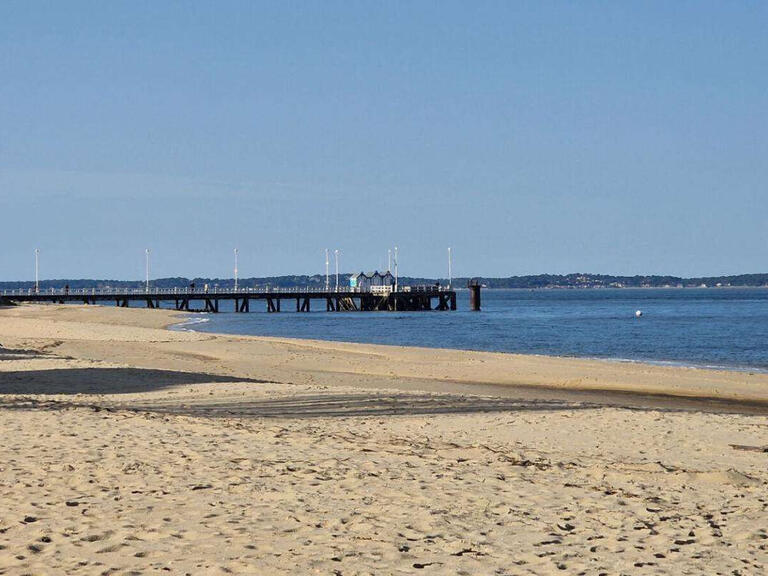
column 531, row 137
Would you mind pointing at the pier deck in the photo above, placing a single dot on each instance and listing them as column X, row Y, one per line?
column 407, row 299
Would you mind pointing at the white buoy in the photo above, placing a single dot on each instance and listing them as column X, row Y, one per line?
column 638, row 313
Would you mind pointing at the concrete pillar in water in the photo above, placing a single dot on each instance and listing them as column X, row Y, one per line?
column 474, row 295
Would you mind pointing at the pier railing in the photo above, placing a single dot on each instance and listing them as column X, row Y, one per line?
column 213, row 291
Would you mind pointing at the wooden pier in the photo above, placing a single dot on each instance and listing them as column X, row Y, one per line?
column 407, row 299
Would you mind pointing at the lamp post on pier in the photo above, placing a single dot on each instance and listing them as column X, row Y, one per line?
column 146, row 253
column 396, row 278
column 37, row 271
column 336, row 254
column 327, row 282
column 235, row 269
column 450, row 277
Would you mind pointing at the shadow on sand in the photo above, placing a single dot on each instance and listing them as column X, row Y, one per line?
column 102, row 380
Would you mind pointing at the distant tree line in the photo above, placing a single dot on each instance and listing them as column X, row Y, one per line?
column 541, row 281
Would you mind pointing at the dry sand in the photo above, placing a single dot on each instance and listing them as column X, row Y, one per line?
column 130, row 449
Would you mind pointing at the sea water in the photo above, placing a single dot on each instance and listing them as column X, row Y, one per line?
column 723, row 328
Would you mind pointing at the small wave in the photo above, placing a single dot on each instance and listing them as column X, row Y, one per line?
column 683, row 364
column 185, row 325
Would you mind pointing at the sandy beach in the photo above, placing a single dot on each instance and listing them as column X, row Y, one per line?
column 129, row 448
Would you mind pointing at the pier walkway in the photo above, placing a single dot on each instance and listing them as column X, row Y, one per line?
column 407, row 298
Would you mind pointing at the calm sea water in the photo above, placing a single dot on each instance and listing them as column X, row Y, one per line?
column 697, row 327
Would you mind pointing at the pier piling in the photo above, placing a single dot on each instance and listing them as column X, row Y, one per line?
column 474, row 296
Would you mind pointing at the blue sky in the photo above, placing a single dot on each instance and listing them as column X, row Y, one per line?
column 531, row 137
